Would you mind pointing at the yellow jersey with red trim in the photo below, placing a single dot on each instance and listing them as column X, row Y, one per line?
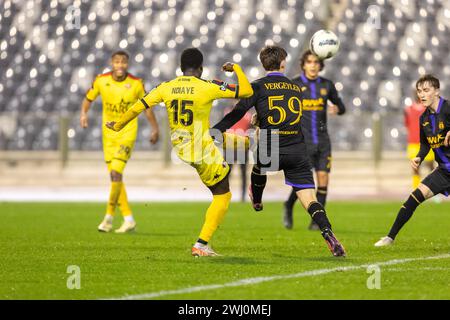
column 117, row 97
column 188, row 101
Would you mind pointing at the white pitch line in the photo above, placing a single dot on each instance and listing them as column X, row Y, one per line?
column 252, row 281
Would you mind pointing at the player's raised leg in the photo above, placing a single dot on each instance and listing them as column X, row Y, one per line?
column 405, row 213
column 317, row 212
column 217, row 209
column 258, row 183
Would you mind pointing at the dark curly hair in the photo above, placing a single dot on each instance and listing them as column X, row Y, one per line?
column 305, row 56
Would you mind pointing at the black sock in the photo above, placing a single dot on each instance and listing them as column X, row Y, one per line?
column 258, row 183
column 202, row 241
column 406, row 212
column 321, row 195
column 319, row 216
column 292, row 199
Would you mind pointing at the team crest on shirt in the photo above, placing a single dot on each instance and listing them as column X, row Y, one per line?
column 441, row 125
column 223, row 87
column 425, row 123
column 127, row 85
column 303, row 88
column 323, row 92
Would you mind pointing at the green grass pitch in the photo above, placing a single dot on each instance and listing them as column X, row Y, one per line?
column 38, row 241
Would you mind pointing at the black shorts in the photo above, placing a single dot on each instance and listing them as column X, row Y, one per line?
column 320, row 155
column 297, row 170
column 438, row 181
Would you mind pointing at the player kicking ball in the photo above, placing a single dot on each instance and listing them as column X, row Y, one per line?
column 277, row 101
column 119, row 90
column 434, row 134
column 188, row 100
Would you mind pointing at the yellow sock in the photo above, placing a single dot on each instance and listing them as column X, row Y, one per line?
column 416, row 181
column 123, row 202
column 214, row 215
column 113, row 197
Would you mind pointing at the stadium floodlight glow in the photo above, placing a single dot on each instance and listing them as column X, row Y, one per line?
column 254, row 72
column 211, row 15
column 245, row 43
column 147, row 43
column 1, row 87
column 204, row 29
column 368, row 133
column 172, row 44
column 9, row 73
column 435, row 41
column 398, row 13
column 394, row 133
column 357, row 102
column 371, row 70
column 276, row 29
column 3, row 45
column 428, row 56
column 301, row 28
column 339, row 86
column 99, row 44
column 139, row 57
column 260, row 15
column 73, row 87
column 58, row 72
column 309, row 15
column 156, row 72
column 42, row 58
column 389, row 86
column 404, row 56
column 71, row 133
column 269, row 42
column 408, row 101
column 163, row 58
column 33, row 74
column 3, row 55
column 237, row 57
column 123, row 44
column 294, row 43
column 364, row 85
column 422, row 71
column 345, row 71
column 342, row 28
column 196, row 43
column 423, row 13
column 396, row 71
column 115, row 16
column 382, row 101
column 252, row 29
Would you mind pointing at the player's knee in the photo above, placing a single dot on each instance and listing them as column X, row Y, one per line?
column 416, row 198
column 116, row 176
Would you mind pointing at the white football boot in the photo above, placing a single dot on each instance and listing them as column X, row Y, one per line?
column 127, row 226
column 105, row 226
column 385, row 241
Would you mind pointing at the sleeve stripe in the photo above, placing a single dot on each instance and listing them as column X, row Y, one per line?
column 145, row 104
column 236, row 95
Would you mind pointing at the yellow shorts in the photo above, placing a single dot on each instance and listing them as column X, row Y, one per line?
column 413, row 150
column 212, row 169
column 117, row 153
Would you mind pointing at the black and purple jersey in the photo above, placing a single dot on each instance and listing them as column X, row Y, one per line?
column 433, row 129
column 315, row 95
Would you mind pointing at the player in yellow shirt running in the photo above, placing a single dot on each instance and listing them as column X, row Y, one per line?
column 119, row 90
column 188, row 100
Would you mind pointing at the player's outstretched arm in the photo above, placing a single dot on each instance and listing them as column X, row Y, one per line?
column 149, row 100
column 154, row 136
column 245, row 88
column 424, row 149
column 132, row 113
column 85, row 105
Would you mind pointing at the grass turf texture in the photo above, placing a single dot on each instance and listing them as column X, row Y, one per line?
column 38, row 241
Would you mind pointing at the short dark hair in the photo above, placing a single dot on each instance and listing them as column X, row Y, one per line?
column 191, row 58
column 305, row 56
column 120, row 53
column 432, row 80
column 271, row 57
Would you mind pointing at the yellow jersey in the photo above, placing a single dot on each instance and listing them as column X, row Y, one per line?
column 188, row 101
column 117, row 97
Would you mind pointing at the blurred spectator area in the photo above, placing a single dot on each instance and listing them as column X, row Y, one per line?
column 52, row 50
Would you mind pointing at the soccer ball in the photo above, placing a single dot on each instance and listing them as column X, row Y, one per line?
column 324, row 44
